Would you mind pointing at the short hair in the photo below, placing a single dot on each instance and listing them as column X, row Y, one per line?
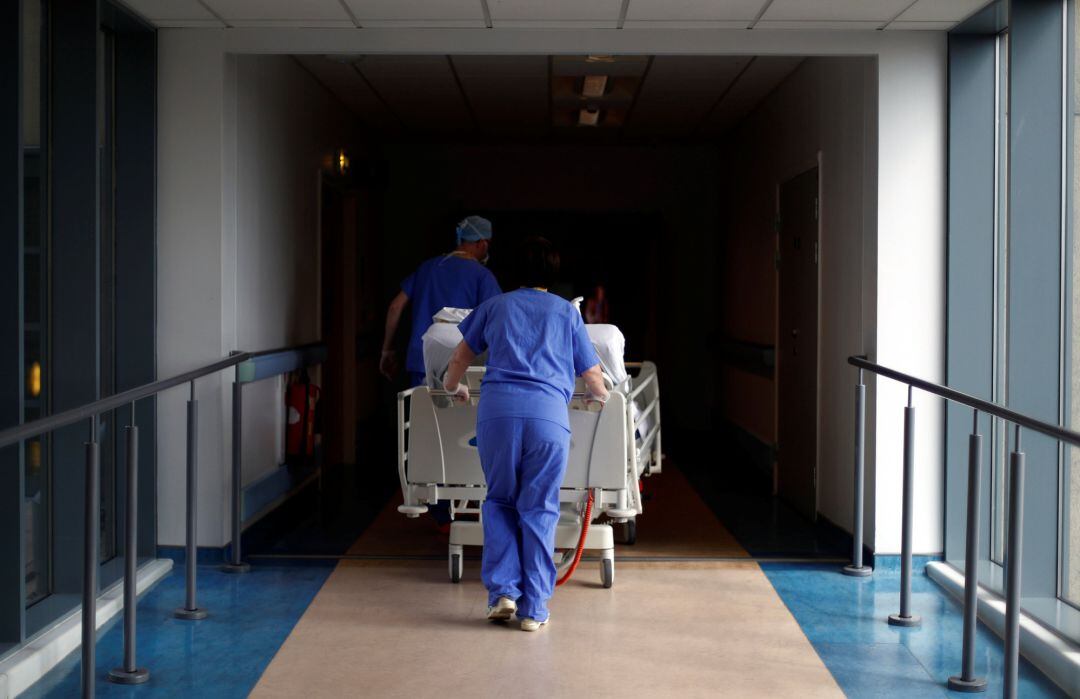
column 537, row 263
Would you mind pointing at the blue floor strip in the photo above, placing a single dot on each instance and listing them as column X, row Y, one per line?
column 845, row 620
column 222, row 656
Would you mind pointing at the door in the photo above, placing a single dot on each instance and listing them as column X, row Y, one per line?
column 797, row 344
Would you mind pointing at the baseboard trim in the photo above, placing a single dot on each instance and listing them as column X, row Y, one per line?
column 31, row 661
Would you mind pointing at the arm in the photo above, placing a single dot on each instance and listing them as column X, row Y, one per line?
column 594, row 383
column 463, row 357
column 387, row 361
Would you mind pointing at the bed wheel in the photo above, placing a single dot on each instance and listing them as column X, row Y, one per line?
column 607, row 572
column 630, row 532
column 456, row 566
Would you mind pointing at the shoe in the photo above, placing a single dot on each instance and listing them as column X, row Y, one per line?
column 502, row 610
column 528, row 624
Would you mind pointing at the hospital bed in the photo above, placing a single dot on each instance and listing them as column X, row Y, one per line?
column 611, row 449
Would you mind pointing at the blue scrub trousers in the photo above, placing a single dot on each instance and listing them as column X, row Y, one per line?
column 524, row 460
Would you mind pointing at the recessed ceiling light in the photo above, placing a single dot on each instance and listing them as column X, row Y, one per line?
column 594, row 86
column 599, row 58
column 589, row 116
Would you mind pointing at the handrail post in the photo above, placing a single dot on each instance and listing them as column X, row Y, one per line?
column 905, row 617
column 235, row 564
column 190, row 611
column 91, row 523
column 857, row 568
column 966, row 681
column 130, row 672
column 1013, row 562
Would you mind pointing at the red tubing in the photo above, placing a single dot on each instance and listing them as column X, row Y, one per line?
column 580, row 544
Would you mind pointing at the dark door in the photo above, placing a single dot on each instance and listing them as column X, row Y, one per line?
column 797, row 345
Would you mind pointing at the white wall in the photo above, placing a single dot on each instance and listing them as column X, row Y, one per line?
column 880, row 129
column 240, row 144
column 911, row 282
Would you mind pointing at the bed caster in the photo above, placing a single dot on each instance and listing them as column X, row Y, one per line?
column 630, row 532
column 456, row 563
column 607, row 572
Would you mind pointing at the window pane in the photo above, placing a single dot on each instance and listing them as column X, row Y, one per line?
column 35, row 304
column 1070, row 583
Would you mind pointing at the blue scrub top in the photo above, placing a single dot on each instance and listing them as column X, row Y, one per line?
column 446, row 280
column 536, row 344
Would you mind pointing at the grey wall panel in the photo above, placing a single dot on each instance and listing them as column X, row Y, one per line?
column 12, row 563
column 1036, row 46
column 972, row 78
column 74, row 348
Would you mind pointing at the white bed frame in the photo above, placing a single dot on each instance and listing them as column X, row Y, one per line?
column 610, row 450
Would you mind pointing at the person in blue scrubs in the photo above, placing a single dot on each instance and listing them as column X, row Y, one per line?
column 536, row 344
column 458, row 280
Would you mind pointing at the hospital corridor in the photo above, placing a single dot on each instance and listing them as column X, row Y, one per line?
column 489, row 348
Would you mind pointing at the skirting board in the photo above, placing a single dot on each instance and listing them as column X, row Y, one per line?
column 1052, row 654
column 40, row 654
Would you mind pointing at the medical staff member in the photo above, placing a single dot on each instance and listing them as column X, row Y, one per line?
column 458, row 279
column 536, row 344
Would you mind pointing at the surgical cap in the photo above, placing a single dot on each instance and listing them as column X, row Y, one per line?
column 473, row 228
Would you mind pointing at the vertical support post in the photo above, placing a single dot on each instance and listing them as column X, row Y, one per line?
column 857, row 568
column 90, row 561
column 190, row 610
column 235, row 564
column 966, row 681
column 1013, row 564
column 130, row 672
column 905, row 617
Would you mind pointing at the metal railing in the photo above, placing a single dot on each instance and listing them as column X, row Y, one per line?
column 249, row 367
column 966, row 680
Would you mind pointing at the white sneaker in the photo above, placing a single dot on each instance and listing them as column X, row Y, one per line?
column 528, row 624
column 502, row 610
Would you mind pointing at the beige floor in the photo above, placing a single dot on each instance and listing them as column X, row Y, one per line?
column 399, row 629
column 688, row 628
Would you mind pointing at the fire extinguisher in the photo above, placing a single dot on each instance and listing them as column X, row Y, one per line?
column 301, row 397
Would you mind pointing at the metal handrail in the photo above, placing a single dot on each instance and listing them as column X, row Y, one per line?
column 129, row 672
column 983, row 406
column 967, row 680
column 14, row 435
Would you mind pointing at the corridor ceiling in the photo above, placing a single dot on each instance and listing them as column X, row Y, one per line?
column 633, row 98
column 602, row 14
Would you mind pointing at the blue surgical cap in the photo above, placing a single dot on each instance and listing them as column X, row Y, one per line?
column 473, row 228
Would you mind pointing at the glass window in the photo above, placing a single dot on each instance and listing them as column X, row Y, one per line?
column 35, row 329
column 1070, row 582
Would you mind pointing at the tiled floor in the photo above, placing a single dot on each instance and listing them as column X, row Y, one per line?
column 221, row 656
column 845, row 620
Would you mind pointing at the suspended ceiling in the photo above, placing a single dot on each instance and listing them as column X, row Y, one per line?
column 640, row 98
column 609, row 14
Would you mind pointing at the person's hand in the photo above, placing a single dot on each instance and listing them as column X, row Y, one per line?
column 388, row 364
column 460, row 393
column 601, row 398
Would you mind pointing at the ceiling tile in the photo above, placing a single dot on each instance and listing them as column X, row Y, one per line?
column 281, row 12
column 679, row 92
column 555, row 13
column 835, row 10
column 508, row 94
column 822, row 24
column 942, row 10
column 924, row 26
column 686, row 24
column 417, row 13
column 759, row 79
column 420, row 90
column 174, row 11
column 696, row 10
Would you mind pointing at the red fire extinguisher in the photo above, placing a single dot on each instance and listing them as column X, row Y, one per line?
column 301, row 397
